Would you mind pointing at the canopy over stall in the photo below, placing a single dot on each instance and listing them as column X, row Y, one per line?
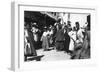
column 41, row 18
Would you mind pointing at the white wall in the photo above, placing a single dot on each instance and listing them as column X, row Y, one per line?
column 81, row 18
column 74, row 17
column 5, row 38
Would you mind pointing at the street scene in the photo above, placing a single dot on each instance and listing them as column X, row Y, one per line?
column 54, row 36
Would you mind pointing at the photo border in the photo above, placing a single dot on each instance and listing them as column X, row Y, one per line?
column 16, row 57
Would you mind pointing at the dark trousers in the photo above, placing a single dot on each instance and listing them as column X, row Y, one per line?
column 66, row 44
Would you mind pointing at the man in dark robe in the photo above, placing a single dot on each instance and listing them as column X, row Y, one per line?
column 59, row 39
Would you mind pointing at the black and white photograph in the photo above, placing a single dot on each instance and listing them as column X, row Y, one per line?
column 56, row 36
column 50, row 36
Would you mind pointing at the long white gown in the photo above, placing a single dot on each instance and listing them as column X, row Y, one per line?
column 72, row 34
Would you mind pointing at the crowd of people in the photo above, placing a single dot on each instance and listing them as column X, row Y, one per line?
column 74, row 41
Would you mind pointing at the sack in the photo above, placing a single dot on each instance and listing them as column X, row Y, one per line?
column 78, row 46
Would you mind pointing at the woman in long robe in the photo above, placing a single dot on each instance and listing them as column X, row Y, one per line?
column 45, row 42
